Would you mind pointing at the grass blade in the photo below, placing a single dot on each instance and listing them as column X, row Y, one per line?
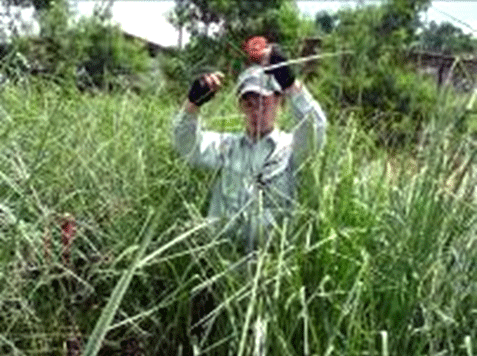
column 107, row 315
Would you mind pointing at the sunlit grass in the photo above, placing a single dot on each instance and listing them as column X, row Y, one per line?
column 379, row 258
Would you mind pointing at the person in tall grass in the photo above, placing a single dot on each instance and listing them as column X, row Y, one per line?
column 256, row 186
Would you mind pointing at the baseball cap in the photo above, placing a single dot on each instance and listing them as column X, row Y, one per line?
column 254, row 79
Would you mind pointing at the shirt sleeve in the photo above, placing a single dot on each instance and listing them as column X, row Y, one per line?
column 199, row 147
column 310, row 124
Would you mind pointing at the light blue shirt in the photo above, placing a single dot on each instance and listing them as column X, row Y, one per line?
column 256, row 187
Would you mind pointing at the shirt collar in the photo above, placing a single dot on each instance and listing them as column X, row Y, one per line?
column 272, row 137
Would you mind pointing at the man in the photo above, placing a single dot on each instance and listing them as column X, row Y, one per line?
column 256, row 187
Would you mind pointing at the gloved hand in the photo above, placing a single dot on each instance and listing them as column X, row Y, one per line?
column 284, row 74
column 204, row 88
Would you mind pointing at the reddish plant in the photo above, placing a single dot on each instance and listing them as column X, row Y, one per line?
column 68, row 231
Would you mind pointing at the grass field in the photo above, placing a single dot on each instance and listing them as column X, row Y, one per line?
column 380, row 258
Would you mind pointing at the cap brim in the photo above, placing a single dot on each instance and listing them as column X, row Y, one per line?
column 255, row 89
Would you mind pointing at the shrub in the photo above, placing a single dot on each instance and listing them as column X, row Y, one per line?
column 93, row 44
column 392, row 98
column 106, row 51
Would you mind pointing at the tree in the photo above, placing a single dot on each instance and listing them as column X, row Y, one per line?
column 325, row 21
column 11, row 10
column 393, row 100
column 37, row 4
column 232, row 21
column 179, row 18
column 446, row 38
column 92, row 46
column 233, row 18
column 230, row 14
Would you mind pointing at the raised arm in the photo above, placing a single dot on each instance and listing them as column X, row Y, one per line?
column 310, row 122
column 199, row 147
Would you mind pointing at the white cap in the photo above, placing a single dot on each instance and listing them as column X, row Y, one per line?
column 254, row 79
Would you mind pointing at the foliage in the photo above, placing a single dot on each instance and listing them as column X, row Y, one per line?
column 325, row 22
column 378, row 259
column 200, row 55
column 91, row 47
column 53, row 52
column 233, row 15
column 292, row 29
column 446, row 38
column 106, row 51
column 37, row 4
column 393, row 99
column 382, row 246
column 280, row 21
column 402, row 15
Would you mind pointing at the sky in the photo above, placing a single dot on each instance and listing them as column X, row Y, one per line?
column 147, row 19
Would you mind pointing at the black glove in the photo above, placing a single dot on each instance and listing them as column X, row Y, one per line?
column 200, row 92
column 284, row 74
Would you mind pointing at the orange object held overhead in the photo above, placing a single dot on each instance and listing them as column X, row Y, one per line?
column 256, row 48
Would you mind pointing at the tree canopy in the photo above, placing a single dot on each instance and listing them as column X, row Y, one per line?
column 446, row 38
column 236, row 18
column 233, row 15
column 37, row 4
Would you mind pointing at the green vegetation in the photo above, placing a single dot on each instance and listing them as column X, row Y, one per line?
column 446, row 38
column 86, row 52
column 379, row 258
column 382, row 243
column 370, row 72
column 234, row 21
column 376, row 77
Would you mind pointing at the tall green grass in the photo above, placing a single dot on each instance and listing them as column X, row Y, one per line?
column 379, row 258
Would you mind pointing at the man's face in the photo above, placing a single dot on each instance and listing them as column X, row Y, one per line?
column 260, row 112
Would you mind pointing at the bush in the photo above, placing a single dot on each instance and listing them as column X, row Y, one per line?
column 54, row 52
column 93, row 44
column 392, row 98
column 106, row 51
